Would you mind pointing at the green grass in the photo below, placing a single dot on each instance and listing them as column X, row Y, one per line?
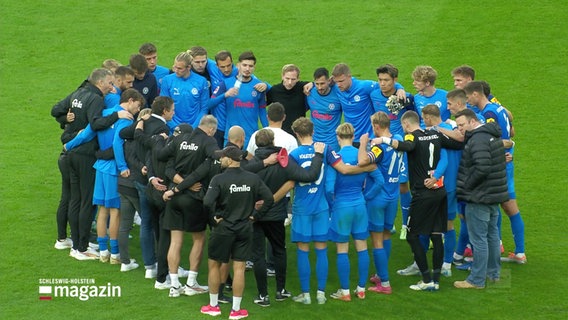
column 48, row 48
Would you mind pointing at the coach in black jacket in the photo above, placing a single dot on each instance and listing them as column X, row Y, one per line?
column 482, row 184
column 271, row 225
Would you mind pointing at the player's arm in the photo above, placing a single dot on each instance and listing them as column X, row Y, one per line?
column 284, row 189
column 453, row 134
column 373, row 184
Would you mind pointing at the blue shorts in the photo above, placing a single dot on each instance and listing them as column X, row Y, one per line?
column 511, row 181
column 403, row 174
column 308, row 228
column 452, row 205
column 106, row 190
column 381, row 214
column 349, row 221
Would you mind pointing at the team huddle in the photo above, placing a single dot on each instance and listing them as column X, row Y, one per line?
column 182, row 149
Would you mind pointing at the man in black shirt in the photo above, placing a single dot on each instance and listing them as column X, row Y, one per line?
column 231, row 196
column 428, row 208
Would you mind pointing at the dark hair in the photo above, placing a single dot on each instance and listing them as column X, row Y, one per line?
column 247, row 55
column 223, row 55
column 162, row 104
column 123, row 71
column 388, row 69
column 133, row 94
column 276, row 112
column 467, row 113
column 321, row 72
column 147, row 48
column 138, row 63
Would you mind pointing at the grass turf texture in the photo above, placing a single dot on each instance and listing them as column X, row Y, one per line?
column 47, row 49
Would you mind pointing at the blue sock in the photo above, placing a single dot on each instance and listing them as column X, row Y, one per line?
column 303, row 270
column 381, row 262
column 343, row 269
column 113, row 246
column 518, row 228
column 449, row 245
column 499, row 222
column 103, row 243
column 322, row 267
column 463, row 239
column 363, row 262
column 424, row 241
column 405, row 199
column 387, row 244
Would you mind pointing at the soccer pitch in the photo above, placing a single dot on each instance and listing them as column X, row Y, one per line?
column 48, row 49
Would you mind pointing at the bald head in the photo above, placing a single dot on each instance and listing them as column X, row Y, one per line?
column 237, row 135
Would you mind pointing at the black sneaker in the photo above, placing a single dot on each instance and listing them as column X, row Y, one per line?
column 262, row 301
column 225, row 299
column 283, row 295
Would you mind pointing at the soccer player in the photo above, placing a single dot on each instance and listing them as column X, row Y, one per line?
column 482, row 184
column 144, row 80
column 385, row 99
column 150, row 53
column 123, row 79
column 86, row 103
column 189, row 91
column 245, row 105
column 382, row 209
column 495, row 113
column 428, row 209
column 232, row 236
column 432, row 119
column 289, row 93
column 424, row 80
column 311, row 211
column 325, row 109
column 271, row 225
column 349, row 214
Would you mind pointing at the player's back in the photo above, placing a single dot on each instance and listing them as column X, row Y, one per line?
column 309, row 197
column 349, row 188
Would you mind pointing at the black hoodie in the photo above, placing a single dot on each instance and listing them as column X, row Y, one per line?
column 274, row 176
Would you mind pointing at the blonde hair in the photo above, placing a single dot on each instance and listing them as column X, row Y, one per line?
column 185, row 57
column 111, row 64
column 345, row 131
column 143, row 112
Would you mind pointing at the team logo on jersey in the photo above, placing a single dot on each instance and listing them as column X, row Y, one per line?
column 185, row 146
column 409, row 137
column 254, row 93
column 194, row 91
column 331, row 106
column 77, row 104
column 235, row 188
column 438, row 103
column 176, row 92
column 357, row 98
column 145, row 90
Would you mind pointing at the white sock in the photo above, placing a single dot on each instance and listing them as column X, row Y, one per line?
column 191, row 278
column 457, row 256
column 237, row 303
column 446, row 265
column 359, row 289
column 320, row 292
column 385, row 283
column 345, row 292
column 174, row 280
column 213, row 299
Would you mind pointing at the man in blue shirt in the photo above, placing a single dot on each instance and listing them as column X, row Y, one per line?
column 189, row 91
column 150, row 53
column 123, row 79
column 325, row 109
column 382, row 208
column 424, row 79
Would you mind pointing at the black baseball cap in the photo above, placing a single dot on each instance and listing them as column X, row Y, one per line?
column 232, row 152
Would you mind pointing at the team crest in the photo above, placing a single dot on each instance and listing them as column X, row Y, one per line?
column 194, row 91
column 331, row 106
column 357, row 98
column 145, row 90
column 254, row 94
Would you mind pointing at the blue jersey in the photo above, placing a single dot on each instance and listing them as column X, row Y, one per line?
column 110, row 138
column 347, row 188
column 113, row 98
column 325, row 112
column 357, row 106
column 190, row 97
column 454, row 158
column 217, row 106
column 309, row 198
column 495, row 113
column 160, row 72
column 438, row 98
column 389, row 162
column 380, row 104
column 246, row 108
